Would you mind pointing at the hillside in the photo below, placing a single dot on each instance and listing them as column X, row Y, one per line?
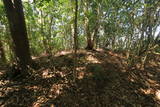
column 104, row 79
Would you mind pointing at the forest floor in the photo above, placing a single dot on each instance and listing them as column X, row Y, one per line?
column 104, row 79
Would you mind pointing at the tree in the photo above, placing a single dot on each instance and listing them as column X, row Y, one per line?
column 87, row 27
column 118, row 24
column 91, row 22
column 75, row 37
column 75, row 26
column 15, row 15
column 2, row 53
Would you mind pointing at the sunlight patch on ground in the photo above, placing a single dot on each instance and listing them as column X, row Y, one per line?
column 153, row 83
column 112, row 53
column 47, row 73
column 157, row 95
column 63, row 53
column 92, row 59
column 2, row 72
column 55, row 90
column 81, row 72
column 32, row 87
column 34, row 57
column 40, row 100
column 4, row 82
column 81, row 75
column 147, row 91
column 100, row 50
column 153, row 64
column 80, row 68
column 151, row 91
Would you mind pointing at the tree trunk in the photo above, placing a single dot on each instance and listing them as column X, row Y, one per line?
column 75, row 27
column 15, row 15
column 2, row 53
column 88, row 34
column 75, row 39
column 89, row 42
column 91, row 33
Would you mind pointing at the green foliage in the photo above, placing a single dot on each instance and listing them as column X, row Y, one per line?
column 50, row 24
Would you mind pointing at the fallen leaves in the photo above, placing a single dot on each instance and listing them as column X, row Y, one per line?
column 103, row 77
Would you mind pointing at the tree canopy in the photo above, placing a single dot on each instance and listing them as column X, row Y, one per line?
column 98, row 50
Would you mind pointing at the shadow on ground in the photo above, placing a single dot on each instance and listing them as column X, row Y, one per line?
column 103, row 80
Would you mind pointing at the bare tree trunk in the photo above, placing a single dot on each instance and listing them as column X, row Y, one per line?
column 75, row 27
column 75, row 38
column 15, row 15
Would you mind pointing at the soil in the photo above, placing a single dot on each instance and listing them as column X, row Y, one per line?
column 104, row 79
